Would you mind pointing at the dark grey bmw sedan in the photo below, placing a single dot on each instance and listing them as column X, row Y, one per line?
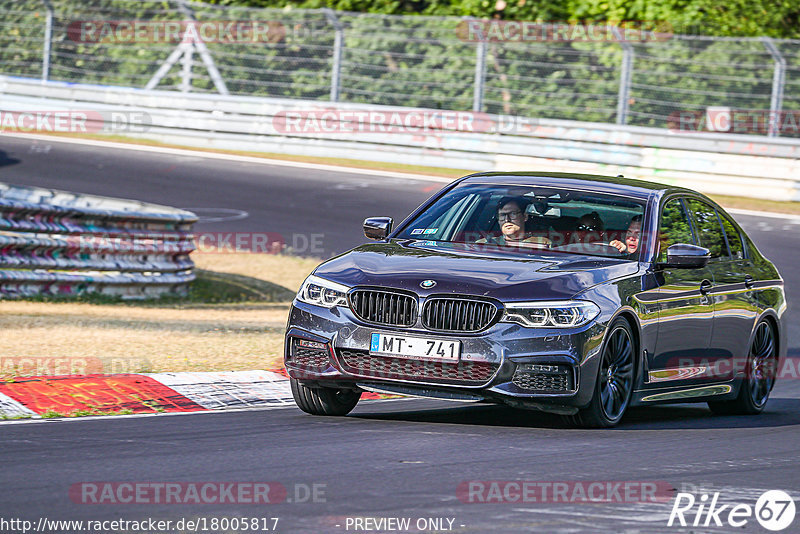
column 573, row 294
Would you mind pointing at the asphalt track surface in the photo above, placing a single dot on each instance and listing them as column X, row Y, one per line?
column 402, row 458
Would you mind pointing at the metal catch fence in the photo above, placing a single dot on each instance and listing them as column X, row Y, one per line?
column 413, row 61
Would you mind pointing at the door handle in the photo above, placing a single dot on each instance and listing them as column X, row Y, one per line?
column 705, row 286
column 749, row 282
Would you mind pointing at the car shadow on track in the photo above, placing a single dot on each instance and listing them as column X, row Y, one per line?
column 778, row 413
column 6, row 160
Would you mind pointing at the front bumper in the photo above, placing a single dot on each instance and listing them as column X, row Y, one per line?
column 541, row 368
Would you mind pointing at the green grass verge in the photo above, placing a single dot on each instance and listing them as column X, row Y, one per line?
column 52, row 414
column 214, row 287
column 209, row 287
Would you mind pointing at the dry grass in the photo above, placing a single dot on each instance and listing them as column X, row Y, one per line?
column 758, row 204
column 157, row 337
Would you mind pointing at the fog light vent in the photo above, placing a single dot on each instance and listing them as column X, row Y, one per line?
column 309, row 354
column 311, row 344
column 552, row 378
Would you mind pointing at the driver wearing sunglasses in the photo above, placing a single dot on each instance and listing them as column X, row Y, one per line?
column 512, row 216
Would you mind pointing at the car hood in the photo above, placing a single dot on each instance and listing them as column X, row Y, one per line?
column 467, row 269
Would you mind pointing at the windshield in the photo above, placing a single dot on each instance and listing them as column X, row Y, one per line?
column 531, row 219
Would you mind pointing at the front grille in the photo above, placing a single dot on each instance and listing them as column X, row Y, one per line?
column 308, row 357
column 557, row 379
column 361, row 363
column 459, row 314
column 386, row 307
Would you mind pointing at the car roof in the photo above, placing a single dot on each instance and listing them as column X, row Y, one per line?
column 592, row 182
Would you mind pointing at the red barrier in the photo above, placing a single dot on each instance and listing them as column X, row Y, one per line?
column 97, row 393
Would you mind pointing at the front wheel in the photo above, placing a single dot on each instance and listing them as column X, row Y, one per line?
column 324, row 401
column 612, row 392
column 760, row 370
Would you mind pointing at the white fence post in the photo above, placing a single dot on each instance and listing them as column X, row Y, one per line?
column 48, row 41
column 338, row 46
column 186, row 70
column 480, row 76
column 778, row 84
column 625, row 75
column 479, row 83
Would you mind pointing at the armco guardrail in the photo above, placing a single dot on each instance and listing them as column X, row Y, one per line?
column 58, row 243
column 754, row 166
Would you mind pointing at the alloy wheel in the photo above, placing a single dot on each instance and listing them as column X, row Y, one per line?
column 763, row 359
column 616, row 373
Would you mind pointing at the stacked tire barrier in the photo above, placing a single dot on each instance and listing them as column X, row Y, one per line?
column 59, row 243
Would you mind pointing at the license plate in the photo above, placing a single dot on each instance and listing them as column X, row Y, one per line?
column 415, row 348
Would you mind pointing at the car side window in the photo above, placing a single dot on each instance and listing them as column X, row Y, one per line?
column 709, row 230
column 734, row 238
column 674, row 227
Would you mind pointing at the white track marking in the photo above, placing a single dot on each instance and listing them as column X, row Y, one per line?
column 229, row 389
column 753, row 213
column 171, row 414
column 11, row 408
column 139, row 415
column 217, row 214
column 233, row 157
column 301, row 165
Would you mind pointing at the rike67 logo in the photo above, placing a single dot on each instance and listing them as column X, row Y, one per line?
column 774, row 510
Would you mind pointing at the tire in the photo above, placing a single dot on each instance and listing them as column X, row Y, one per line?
column 762, row 364
column 324, row 401
column 615, row 379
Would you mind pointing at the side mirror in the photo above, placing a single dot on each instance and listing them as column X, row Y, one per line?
column 377, row 227
column 685, row 256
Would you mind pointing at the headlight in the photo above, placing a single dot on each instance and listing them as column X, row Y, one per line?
column 321, row 292
column 562, row 314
